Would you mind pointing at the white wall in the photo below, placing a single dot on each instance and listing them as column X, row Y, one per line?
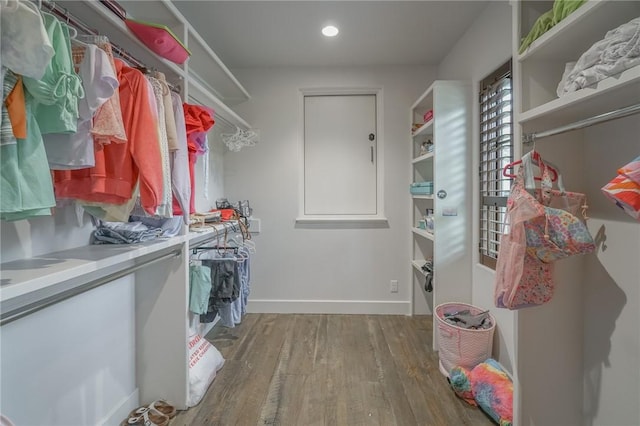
column 40, row 235
column 317, row 268
column 611, row 289
column 484, row 47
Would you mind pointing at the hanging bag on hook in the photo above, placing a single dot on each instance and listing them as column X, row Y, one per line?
column 560, row 232
column 525, row 260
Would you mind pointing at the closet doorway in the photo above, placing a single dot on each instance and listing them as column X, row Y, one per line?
column 340, row 155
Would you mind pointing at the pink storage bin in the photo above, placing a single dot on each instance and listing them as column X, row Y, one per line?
column 458, row 346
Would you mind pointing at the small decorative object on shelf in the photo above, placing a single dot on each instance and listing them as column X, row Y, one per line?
column 428, row 115
column 426, row 147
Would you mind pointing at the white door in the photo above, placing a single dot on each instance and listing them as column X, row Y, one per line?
column 340, row 155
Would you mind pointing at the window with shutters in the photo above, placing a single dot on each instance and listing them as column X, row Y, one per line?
column 496, row 151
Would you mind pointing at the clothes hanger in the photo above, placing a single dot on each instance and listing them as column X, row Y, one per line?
column 535, row 157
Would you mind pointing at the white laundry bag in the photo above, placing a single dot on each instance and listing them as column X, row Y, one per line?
column 204, row 362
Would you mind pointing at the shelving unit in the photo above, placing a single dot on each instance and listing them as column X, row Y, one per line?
column 161, row 293
column 203, row 78
column 580, row 352
column 543, row 63
column 145, row 286
column 423, row 233
column 447, row 166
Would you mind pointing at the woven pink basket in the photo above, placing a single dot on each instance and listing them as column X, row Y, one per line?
column 459, row 346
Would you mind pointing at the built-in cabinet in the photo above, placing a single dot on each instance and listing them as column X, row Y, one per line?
column 447, row 166
column 114, row 319
column 576, row 358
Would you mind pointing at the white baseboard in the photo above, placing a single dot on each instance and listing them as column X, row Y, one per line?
column 384, row 307
column 122, row 410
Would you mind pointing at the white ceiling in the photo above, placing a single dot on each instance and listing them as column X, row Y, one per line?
column 287, row 33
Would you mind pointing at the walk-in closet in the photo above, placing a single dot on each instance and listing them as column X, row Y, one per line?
column 320, row 213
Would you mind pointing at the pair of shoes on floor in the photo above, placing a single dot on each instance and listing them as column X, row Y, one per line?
column 158, row 413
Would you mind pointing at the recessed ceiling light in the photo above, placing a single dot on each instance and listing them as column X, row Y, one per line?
column 330, row 31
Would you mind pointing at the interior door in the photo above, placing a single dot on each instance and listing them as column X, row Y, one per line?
column 340, row 165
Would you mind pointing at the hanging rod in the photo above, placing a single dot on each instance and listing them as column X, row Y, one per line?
column 611, row 115
column 70, row 19
column 22, row 311
column 218, row 232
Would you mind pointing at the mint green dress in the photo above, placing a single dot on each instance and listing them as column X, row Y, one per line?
column 56, row 93
column 26, row 189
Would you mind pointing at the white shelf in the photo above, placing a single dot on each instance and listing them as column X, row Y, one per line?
column 422, row 158
column 208, row 80
column 422, row 197
column 418, row 266
column 101, row 19
column 425, row 101
column 29, row 280
column 206, row 66
column 578, row 31
column 425, row 129
column 203, row 96
column 157, row 11
column 611, row 93
column 426, row 234
column 25, row 276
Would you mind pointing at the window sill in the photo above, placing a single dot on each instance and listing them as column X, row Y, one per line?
column 342, row 219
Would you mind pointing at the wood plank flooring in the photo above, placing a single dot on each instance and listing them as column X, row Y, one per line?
column 316, row 370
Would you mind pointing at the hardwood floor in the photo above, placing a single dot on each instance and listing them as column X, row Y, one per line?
column 304, row 370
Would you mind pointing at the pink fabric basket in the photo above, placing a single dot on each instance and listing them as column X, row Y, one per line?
column 461, row 347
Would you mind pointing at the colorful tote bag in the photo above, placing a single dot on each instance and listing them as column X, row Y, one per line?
column 559, row 233
column 524, row 270
column 522, row 280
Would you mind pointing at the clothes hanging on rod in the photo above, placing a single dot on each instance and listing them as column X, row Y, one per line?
column 612, row 115
column 227, row 276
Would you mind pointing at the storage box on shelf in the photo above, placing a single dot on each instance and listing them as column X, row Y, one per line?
column 439, row 155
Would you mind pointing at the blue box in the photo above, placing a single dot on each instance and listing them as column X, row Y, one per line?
column 421, row 188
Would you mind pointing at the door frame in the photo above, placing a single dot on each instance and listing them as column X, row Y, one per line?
column 344, row 91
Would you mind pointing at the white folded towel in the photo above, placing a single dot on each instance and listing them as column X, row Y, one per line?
column 617, row 52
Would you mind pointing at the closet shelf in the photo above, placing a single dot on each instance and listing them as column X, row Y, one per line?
column 201, row 95
column 609, row 94
column 422, row 197
column 208, row 80
column 196, row 238
column 30, row 280
column 422, row 158
column 23, row 277
column 418, row 266
column 97, row 17
column 425, row 129
column 158, row 11
column 206, row 66
column 577, row 32
column 426, row 234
